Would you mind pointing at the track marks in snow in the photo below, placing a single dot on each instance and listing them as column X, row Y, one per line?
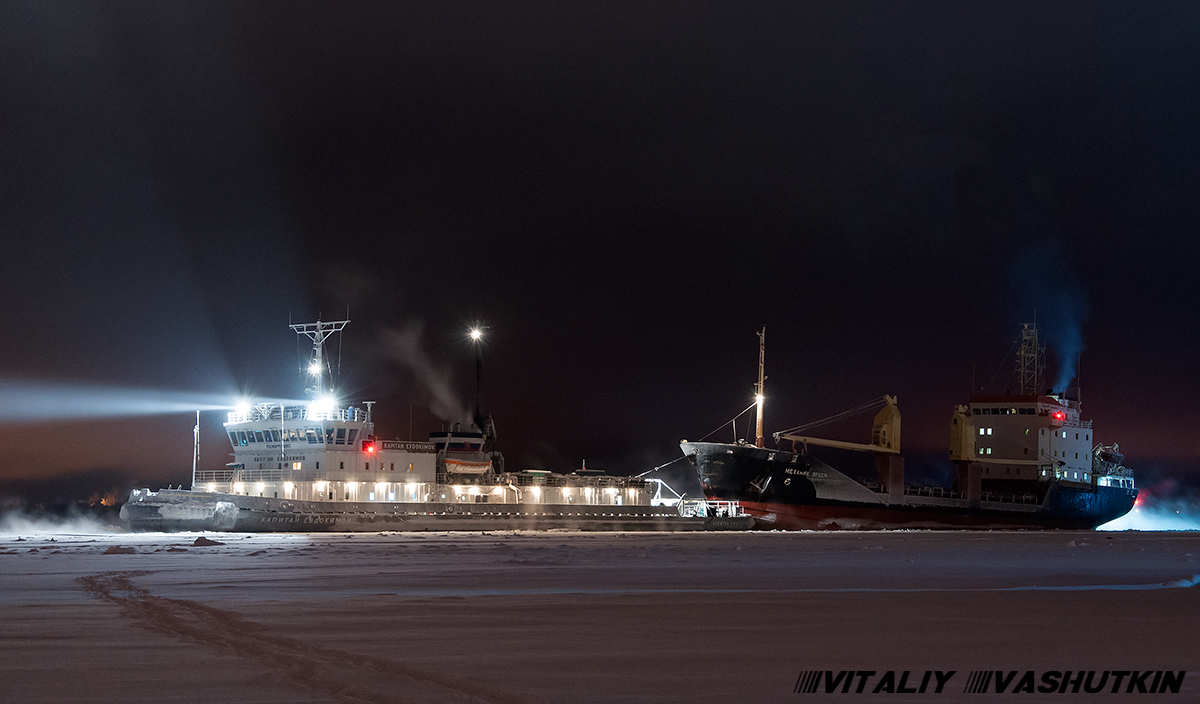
column 345, row 676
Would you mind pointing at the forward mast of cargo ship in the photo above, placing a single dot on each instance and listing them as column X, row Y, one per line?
column 1020, row 461
column 320, row 466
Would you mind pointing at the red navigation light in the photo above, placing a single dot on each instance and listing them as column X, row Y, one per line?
column 1059, row 415
column 368, row 445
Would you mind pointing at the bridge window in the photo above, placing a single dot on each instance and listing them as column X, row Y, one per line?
column 258, row 436
column 341, row 436
column 353, row 434
column 233, row 438
column 242, row 438
column 329, row 436
column 275, row 435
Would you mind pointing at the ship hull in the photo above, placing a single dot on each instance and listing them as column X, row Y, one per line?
column 796, row 491
column 180, row 510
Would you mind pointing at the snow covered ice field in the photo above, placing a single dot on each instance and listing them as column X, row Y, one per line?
column 570, row 617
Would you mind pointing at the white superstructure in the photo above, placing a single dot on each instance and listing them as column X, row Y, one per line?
column 327, row 451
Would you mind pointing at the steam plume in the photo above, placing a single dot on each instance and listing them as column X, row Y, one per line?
column 1046, row 284
column 405, row 346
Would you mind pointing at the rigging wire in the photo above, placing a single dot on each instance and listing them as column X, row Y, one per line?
column 731, row 420
column 299, row 361
column 681, row 457
column 339, row 374
column 861, row 408
column 1002, row 363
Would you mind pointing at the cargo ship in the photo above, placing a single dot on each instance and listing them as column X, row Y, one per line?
column 319, row 466
column 1024, row 461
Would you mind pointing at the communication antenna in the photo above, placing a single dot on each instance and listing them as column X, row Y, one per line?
column 318, row 365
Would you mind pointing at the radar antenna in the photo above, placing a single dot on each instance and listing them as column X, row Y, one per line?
column 1031, row 361
column 318, row 365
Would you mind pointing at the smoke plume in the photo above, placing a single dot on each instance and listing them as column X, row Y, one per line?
column 405, row 346
column 1048, row 289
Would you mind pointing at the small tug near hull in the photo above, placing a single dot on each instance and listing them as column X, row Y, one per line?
column 1020, row 462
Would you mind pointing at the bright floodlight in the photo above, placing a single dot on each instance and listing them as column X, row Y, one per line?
column 242, row 407
column 758, row 398
column 322, row 408
column 314, row 368
column 476, row 334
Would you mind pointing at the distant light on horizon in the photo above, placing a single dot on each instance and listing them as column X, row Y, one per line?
column 476, row 334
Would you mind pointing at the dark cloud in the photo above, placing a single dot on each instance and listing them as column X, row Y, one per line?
column 625, row 193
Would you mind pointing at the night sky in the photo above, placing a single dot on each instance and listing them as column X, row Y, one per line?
column 623, row 192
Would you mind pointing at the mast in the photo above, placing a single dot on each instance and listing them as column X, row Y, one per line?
column 1031, row 361
column 318, row 365
column 758, row 388
column 195, row 449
